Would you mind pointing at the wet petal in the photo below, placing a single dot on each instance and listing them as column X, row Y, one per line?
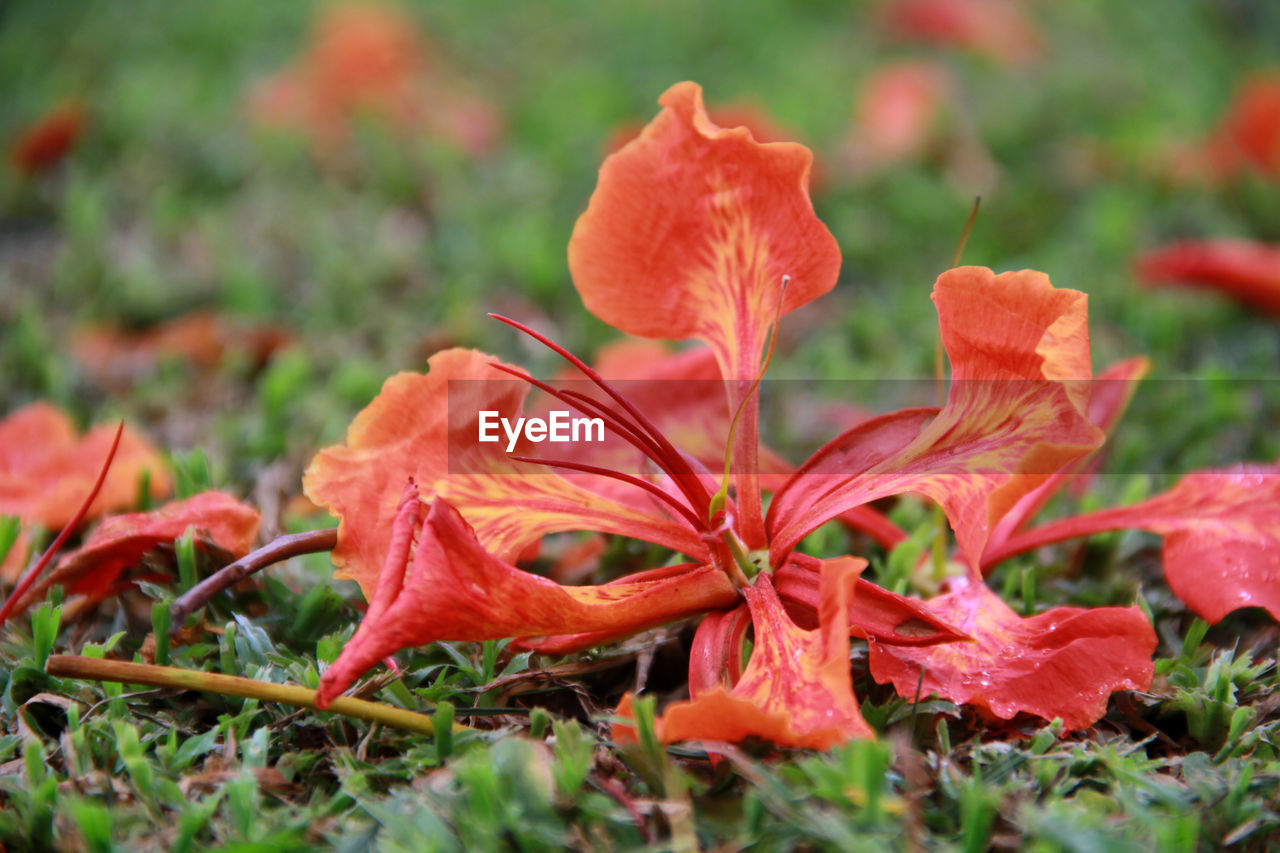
column 1064, row 662
column 1248, row 271
column 96, row 569
column 796, row 690
column 46, row 471
column 1221, row 532
column 1016, row 413
column 456, row 590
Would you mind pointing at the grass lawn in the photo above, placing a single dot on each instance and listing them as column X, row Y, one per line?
column 332, row 256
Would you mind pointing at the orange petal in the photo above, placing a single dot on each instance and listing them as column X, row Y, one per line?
column 691, row 230
column 46, row 471
column 456, row 590
column 1248, row 271
column 96, row 568
column 1016, row 413
column 796, row 689
column 875, row 613
column 1222, row 537
column 1249, row 134
column 1064, row 662
column 1109, row 396
column 999, row 29
column 426, row 427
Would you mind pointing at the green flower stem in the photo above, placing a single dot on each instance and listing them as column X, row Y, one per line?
column 75, row 666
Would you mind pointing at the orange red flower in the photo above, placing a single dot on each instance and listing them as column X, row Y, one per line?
column 699, row 231
column 367, row 61
column 51, row 138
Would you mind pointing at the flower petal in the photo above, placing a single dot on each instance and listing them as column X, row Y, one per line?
column 1248, row 271
column 1222, row 537
column 46, row 471
column 1064, row 662
column 95, row 569
column 796, row 689
column 691, row 230
column 426, row 427
column 999, row 29
column 1109, row 397
column 456, row 590
column 45, row 143
column 1016, row 413
column 874, row 614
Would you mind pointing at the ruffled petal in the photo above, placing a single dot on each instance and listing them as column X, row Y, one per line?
column 1064, row 662
column 691, row 230
column 426, row 427
column 1016, row 413
column 796, row 690
column 456, row 590
column 1221, row 532
column 46, row 471
column 97, row 568
column 1247, row 271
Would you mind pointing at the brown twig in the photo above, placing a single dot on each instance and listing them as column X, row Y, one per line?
column 281, row 548
column 94, row 669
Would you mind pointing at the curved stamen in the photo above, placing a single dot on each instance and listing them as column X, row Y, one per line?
column 652, row 489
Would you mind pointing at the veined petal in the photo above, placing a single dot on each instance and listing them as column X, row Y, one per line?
column 95, row 569
column 1109, row 397
column 456, row 590
column 1064, row 662
column 691, row 229
column 46, row 470
column 1221, row 532
column 796, row 689
column 1016, row 413
column 426, row 427
column 875, row 613
column 1248, row 271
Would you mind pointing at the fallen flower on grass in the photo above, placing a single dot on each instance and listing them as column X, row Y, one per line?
column 1246, row 270
column 101, row 566
column 46, row 469
column 737, row 216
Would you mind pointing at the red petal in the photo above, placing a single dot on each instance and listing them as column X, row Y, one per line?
column 1222, row 537
column 48, row 140
column 1248, row 271
column 1250, row 132
column 46, row 471
column 899, row 110
column 1109, row 397
column 456, row 590
column 999, row 29
column 691, row 230
column 796, row 689
column 426, row 427
column 1064, row 662
column 95, row 569
column 874, row 614
column 1016, row 413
